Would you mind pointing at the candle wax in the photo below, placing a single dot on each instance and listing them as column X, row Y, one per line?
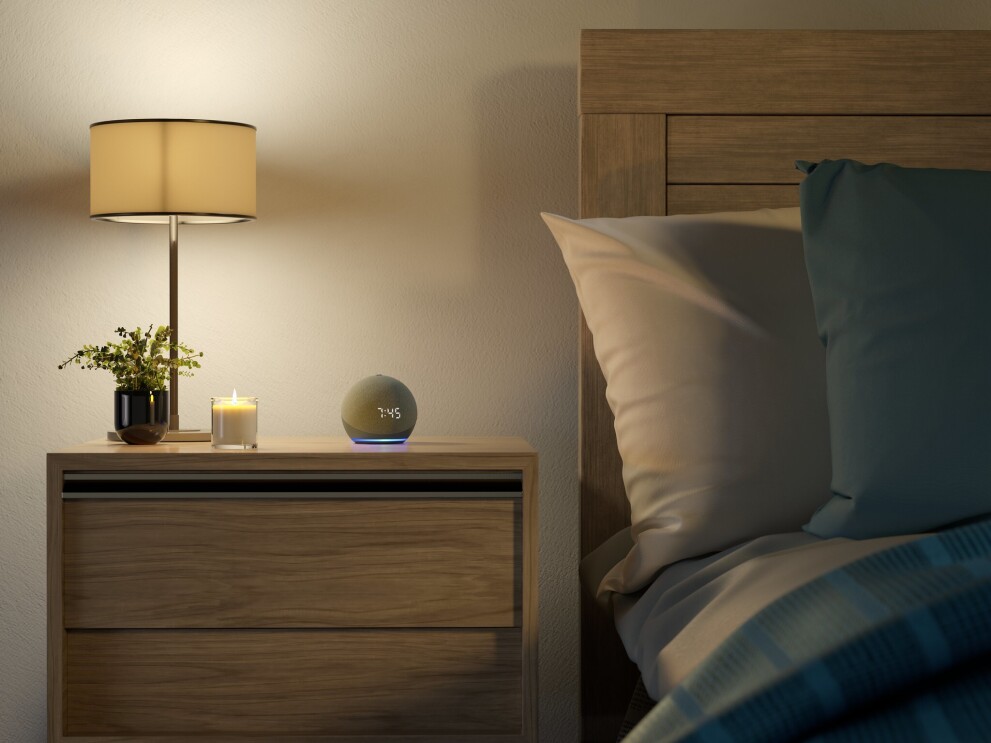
column 235, row 425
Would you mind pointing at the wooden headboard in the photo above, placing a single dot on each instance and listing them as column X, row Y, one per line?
column 675, row 122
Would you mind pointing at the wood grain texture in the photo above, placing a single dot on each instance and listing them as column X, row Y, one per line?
column 303, row 454
column 623, row 174
column 292, row 563
column 608, row 677
column 703, row 199
column 327, row 448
column 531, row 624
column 767, row 75
column 763, row 149
column 622, row 165
column 56, row 631
column 785, row 72
column 281, row 682
column 319, row 458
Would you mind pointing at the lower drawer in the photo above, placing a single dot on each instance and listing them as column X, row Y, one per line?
column 306, row 682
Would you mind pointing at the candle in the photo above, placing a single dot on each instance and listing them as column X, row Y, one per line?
column 235, row 422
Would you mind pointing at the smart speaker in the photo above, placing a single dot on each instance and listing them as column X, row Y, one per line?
column 379, row 410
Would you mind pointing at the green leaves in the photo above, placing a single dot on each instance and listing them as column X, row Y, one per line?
column 140, row 361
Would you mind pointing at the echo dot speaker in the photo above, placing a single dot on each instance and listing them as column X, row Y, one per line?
column 379, row 410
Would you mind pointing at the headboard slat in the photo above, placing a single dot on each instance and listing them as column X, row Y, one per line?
column 785, row 72
column 703, row 199
column 761, row 149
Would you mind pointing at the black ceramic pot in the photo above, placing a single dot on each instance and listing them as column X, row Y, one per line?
column 141, row 416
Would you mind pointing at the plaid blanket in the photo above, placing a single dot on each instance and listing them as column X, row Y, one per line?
column 892, row 647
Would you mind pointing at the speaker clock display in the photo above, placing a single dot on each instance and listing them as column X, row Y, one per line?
column 379, row 410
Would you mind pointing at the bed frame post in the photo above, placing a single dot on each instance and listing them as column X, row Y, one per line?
column 622, row 165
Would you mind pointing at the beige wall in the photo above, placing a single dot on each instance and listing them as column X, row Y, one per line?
column 404, row 151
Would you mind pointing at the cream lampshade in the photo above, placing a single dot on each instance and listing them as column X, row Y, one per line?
column 172, row 171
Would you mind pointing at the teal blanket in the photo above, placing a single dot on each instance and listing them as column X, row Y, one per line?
column 892, row 647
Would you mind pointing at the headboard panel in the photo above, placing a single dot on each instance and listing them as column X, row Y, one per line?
column 785, row 72
column 676, row 122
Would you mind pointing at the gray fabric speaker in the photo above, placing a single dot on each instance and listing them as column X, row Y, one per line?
column 379, row 410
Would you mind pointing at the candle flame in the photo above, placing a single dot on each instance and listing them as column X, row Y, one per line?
column 234, row 398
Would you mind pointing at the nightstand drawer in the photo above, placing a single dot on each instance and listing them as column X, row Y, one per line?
column 294, row 682
column 293, row 562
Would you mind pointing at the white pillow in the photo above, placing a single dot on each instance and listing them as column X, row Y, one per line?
column 703, row 326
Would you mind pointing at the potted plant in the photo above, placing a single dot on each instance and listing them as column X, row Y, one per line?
column 141, row 366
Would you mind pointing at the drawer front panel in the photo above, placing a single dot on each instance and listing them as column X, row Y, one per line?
column 292, row 563
column 284, row 682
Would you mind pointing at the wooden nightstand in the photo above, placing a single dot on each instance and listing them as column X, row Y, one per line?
column 309, row 588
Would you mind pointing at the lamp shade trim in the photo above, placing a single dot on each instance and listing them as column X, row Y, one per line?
column 191, row 121
column 221, row 218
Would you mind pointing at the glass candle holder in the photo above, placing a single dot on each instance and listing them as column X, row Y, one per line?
column 235, row 422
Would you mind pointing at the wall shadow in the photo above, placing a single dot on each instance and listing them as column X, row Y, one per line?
column 527, row 163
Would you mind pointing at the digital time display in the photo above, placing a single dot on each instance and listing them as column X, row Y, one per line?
column 393, row 413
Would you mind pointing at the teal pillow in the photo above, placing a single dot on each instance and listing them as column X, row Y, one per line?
column 899, row 260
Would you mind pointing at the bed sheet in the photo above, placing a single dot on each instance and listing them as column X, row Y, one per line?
column 694, row 605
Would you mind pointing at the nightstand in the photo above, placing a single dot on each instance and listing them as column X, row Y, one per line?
column 312, row 587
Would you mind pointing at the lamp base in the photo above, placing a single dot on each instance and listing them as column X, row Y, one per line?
column 180, row 436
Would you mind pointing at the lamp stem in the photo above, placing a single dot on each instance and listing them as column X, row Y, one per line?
column 174, row 320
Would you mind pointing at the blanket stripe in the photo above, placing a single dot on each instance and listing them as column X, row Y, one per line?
column 861, row 647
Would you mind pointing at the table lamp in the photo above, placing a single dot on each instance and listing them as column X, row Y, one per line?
column 172, row 171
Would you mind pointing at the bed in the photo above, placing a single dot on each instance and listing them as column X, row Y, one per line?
column 690, row 122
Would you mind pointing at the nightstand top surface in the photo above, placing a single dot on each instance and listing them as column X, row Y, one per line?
column 422, row 451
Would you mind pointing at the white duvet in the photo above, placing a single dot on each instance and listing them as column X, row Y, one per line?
column 694, row 605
